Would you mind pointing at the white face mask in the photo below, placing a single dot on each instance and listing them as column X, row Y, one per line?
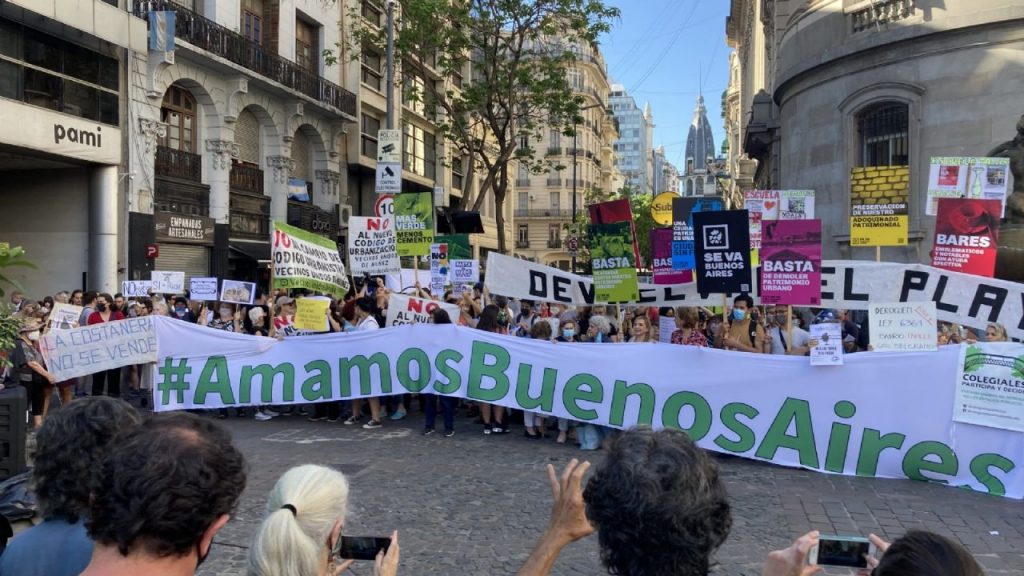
column 34, row 335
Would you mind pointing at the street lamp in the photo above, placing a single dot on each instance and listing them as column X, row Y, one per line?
column 575, row 123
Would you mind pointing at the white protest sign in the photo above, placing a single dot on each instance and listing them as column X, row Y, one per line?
column 64, row 316
column 91, row 349
column 796, row 204
column 404, row 309
column 136, row 288
column 465, row 271
column 166, row 282
column 829, row 349
column 438, row 268
column 303, row 259
column 967, row 177
column 371, row 246
column 792, row 422
column 238, row 292
column 666, row 326
column 990, row 385
column 964, row 299
column 903, row 327
column 204, row 289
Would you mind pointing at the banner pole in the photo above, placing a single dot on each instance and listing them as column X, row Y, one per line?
column 416, row 267
column 878, row 253
column 789, row 328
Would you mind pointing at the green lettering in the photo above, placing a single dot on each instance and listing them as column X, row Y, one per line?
column 479, row 369
column 546, row 399
column 797, row 412
column 701, row 414
column 914, row 462
column 405, row 378
column 839, row 438
column 980, row 466
column 582, row 387
column 268, row 376
column 363, row 366
column 449, row 371
column 318, row 386
column 214, row 380
column 871, row 445
column 620, row 399
column 745, row 437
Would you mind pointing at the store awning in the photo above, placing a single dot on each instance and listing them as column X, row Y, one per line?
column 255, row 251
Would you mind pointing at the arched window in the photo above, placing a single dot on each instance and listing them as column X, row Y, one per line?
column 882, row 130
column 689, row 187
column 178, row 111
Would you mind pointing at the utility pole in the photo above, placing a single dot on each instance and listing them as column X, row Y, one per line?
column 575, row 123
column 391, row 65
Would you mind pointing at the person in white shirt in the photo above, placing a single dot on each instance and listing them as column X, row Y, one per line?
column 365, row 320
column 801, row 343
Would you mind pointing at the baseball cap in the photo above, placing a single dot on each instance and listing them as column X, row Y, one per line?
column 282, row 300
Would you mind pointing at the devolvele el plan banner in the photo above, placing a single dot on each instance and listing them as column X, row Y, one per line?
column 306, row 260
column 828, row 419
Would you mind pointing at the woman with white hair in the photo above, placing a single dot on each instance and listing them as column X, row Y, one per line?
column 305, row 515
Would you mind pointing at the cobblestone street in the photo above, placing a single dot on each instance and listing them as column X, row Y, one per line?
column 475, row 504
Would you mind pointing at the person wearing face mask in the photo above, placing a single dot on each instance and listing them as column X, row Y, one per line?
column 365, row 321
column 181, row 310
column 31, row 370
column 799, row 345
column 743, row 332
column 569, row 332
column 228, row 320
column 109, row 379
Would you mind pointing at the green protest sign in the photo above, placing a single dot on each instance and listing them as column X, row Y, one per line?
column 414, row 223
column 458, row 246
column 306, row 260
column 613, row 261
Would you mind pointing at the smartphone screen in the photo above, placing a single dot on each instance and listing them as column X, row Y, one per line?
column 849, row 552
column 360, row 547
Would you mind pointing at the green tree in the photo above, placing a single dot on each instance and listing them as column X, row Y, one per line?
column 519, row 52
column 10, row 257
column 643, row 222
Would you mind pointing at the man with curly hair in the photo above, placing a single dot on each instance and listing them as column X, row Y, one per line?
column 166, row 491
column 70, row 448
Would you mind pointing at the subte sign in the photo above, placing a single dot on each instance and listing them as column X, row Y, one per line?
column 384, row 207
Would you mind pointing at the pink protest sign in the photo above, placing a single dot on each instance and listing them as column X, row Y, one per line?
column 661, row 253
column 791, row 262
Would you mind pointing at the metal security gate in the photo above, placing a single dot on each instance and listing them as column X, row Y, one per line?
column 194, row 261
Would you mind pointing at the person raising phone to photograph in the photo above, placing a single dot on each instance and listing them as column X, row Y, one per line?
column 301, row 533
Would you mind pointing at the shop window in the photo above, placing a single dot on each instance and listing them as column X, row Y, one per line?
column 882, row 130
column 178, row 111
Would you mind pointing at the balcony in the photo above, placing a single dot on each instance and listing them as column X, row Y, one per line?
column 234, row 47
column 524, row 182
column 522, row 243
column 180, row 164
column 554, row 181
column 554, row 242
column 543, row 213
column 865, row 16
column 246, row 179
column 554, row 150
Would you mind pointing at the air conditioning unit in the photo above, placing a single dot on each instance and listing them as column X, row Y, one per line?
column 344, row 214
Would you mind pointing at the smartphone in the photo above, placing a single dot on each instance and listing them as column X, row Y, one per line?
column 360, row 547
column 847, row 551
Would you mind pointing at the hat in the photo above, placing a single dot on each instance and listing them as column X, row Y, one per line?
column 30, row 325
column 256, row 313
column 282, row 300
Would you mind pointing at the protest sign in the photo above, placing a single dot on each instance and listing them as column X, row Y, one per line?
column 371, row 246
column 849, row 284
column 722, row 248
column 404, row 309
column 90, row 349
column 414, row 223
column 791, row 263
column 878, row 209
column 682, row 228
column 828, row 350
column 238, row 292
column 167, row 282
column 613, row 262
column 311, row 314
column 793, row 422
column 903, row 327
column 64, row 316
column 136, row 288
column 202, row 289
column 796, row 204
column 465, row 271
column 761, row 205
column 666, row 326
column 661, row 253
column 306, row 260
column 990, row 385
column 967, row 177
column 438, row 268
column 966, row 235
column 613, row 212
column 458, row 245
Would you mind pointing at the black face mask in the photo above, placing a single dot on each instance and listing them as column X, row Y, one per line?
column 101, row 307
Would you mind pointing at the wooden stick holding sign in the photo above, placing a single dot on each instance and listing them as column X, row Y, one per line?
column 789, row 328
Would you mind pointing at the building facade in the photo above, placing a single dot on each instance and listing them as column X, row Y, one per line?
column 698, row 177
column 666, row 175
column 634, row 148
column 544, row 203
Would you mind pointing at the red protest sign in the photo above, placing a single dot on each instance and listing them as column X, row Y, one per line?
column 966, row 235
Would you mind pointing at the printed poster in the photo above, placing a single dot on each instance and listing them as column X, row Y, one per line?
column 990, row 382
column 458, row 245
column 371, row 246
column 613, row 262
column 465, row 271
column 203, row 289
column 903, row 327
column 661, row 253
column 796, row 204
column 761, row 205
column 613, row 212
column 166, row 282
column 722, row 247
column 682, row 228
column 878, row 209
column 438, row 268
column 967, row 177
column 306, row 260
column 238, row 292
column 829, row 348
column 404, row 309
column 64, row 316
column 414, row 223
column 791, row 263
column 966, row 235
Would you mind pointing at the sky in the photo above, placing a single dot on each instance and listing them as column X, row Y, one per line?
column 663, row 51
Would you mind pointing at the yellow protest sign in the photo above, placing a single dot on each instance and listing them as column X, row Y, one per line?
column 311, row 314
column 878, row 211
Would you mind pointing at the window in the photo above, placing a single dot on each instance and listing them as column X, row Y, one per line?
column 178, row 111
column 371, row 11
column 252, row 26
column 457, row 173
column 575, row 79
column 523, row 236
column 305, row 45
column 522, row 201
column 419, row 151
column 556, row 200
column 524, row 143
column 368, row 136
column 414, row 93
column 555, row 139
column 882, row 129
column 554, row 233
column 371, row 61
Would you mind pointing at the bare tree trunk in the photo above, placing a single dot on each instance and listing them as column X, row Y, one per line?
column 500, row 189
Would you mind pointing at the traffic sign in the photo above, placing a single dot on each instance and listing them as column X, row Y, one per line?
column 389, row 178
column 384, row 207
column 152, row 251
column 389, row 146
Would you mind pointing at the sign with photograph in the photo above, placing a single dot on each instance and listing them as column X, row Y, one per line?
column 371, row 246
column 967, row 177
column 612, row 212
column 168, row 282
column 136, row 288
column 796, row 204
column 791, row 263
column 414, row 223
column 903, row 327
column 303, row 259
column 661, row 253
column 64, row 316
column 237, row 292
column 438, row 268
column 173, row 228
column 878, row 210
column 966, row 235
column 761, row 205
column 204, row 289
column 829, row 348
column 722, row 248
column 613, row 262
column 989, row 384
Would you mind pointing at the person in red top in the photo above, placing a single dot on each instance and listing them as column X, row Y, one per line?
column 687, row 333
column 109, row 379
